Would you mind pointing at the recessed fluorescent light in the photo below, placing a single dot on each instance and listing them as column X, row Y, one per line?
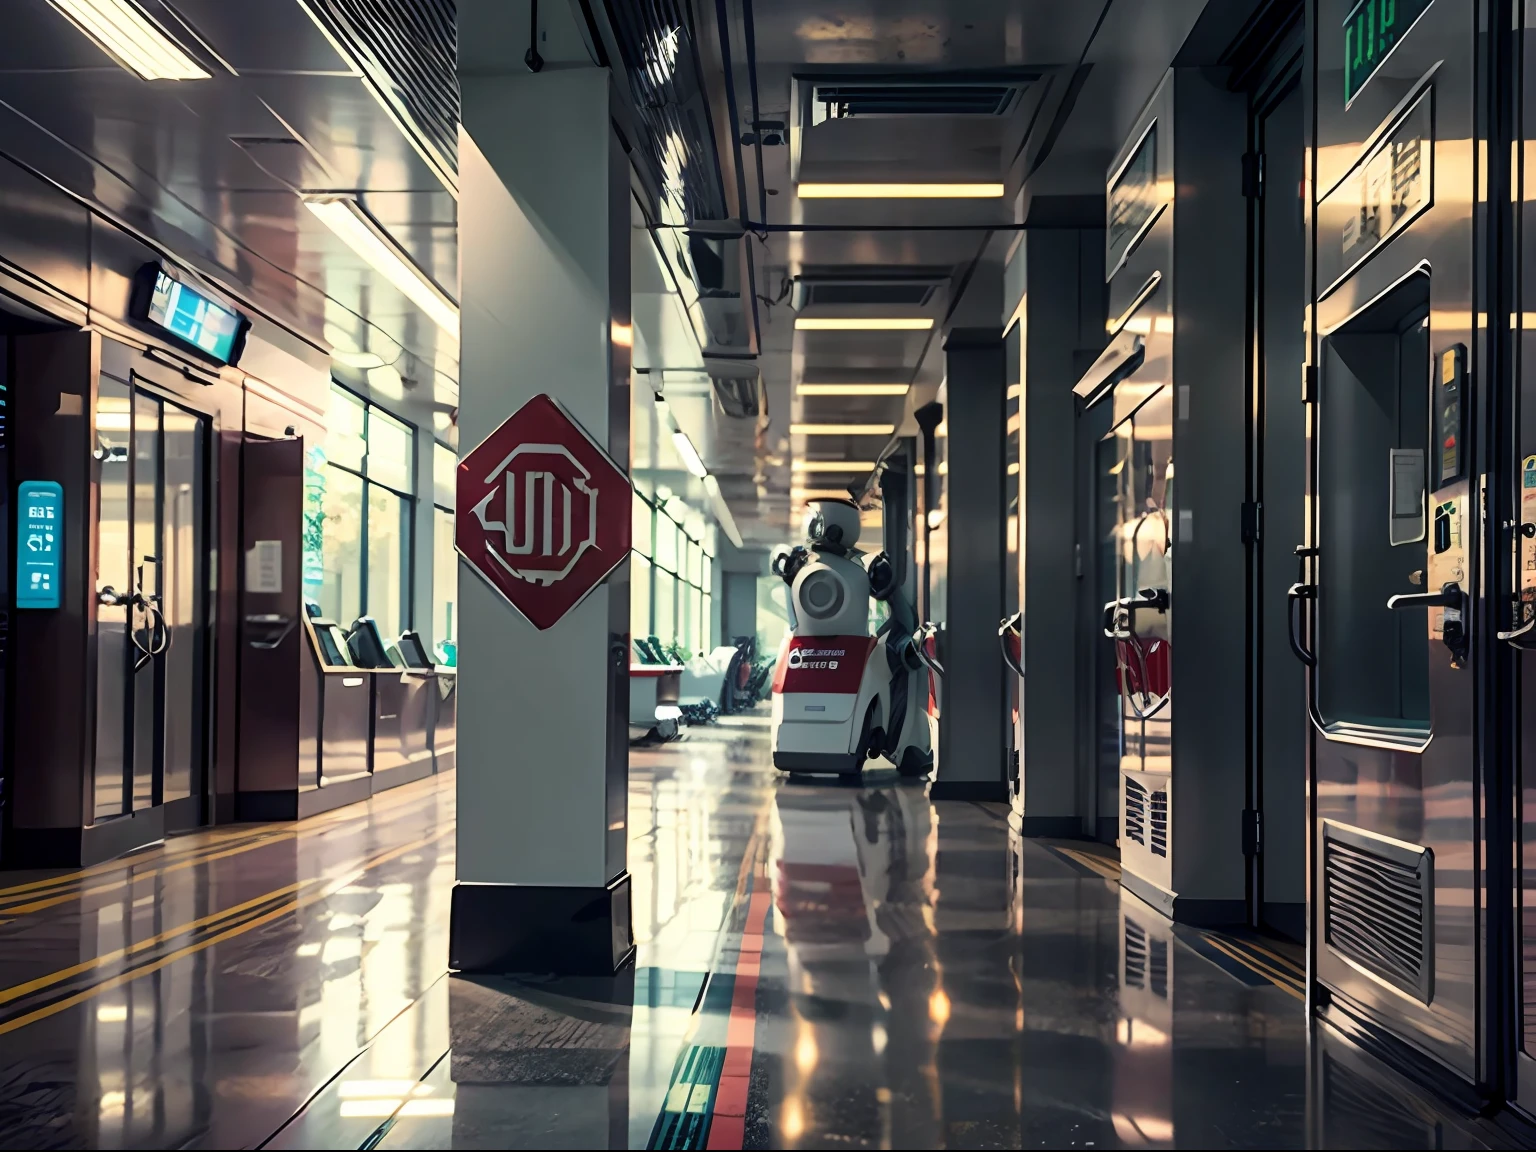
column 834, row 465
column 131, row 38
column 841, row 429
column 852, row 389
column 863, row 323
column 690, row 454
column 1013, row 469
column 355, row 228
column 722, row 511
column 819, row 191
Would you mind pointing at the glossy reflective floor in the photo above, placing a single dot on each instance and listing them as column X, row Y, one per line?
column 819, row 965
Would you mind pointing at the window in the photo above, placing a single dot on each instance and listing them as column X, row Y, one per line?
column 445, row 587
column 670, row 574
column 359, row 495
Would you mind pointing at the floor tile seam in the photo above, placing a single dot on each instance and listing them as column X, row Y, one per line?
column 363, row 1050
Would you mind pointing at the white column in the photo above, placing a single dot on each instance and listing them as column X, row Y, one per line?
column 542, row 716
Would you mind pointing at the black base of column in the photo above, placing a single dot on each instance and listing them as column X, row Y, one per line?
column 501, row 928
column 987, row 791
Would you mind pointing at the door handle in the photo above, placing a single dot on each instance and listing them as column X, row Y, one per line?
column 1008, row 629
column 1453, row 627
column 1294, row 596
column 1523, row 637
column 1154, row 598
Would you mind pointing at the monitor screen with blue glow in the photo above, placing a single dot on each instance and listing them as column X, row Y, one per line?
column 194, row 319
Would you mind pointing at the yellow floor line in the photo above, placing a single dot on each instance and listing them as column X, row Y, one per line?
column 19, row 990
column 1105, row 868
column 258, row 834
column 1278, row 979
column 240, row 929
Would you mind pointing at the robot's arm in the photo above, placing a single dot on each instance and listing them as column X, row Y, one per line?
column 787, row 565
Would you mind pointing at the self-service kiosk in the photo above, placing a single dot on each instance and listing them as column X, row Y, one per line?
column 1168, row 734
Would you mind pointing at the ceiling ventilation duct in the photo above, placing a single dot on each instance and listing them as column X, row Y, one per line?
column 738, row 388
column 407, row 51
column 717, row 258
column 913, row 288
column 949, row 94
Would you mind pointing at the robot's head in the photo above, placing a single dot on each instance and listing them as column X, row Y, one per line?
column 832, row 524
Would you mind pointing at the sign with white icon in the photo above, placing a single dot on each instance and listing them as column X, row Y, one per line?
column 39, row 544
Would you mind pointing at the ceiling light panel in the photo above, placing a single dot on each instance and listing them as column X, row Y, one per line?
column 822, row 191
column 863, row 323
column 853, row 389
column 841, row 429
column 834, row 465
column 355, row 228
column 123, row 32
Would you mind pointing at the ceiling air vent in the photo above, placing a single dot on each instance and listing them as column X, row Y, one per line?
column 865, row 98
column 1378, row 901
column 903, row 290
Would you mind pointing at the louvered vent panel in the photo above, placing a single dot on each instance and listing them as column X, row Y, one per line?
column 409, row 50
column 1377, row 907
column 1136, row 955
column 1135, row 812
column 894, row 292
column 1157, row 968
column 1357, row 1112
column 1159, row 809
column 895, row 99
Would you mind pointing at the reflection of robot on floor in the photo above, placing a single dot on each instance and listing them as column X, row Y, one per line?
column 841, row 696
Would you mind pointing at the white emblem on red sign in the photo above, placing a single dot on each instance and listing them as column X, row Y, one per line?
column 548, row 511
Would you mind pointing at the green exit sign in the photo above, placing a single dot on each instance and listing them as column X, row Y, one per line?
column 1371, row 31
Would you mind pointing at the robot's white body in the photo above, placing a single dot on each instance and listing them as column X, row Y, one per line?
column 841, row 696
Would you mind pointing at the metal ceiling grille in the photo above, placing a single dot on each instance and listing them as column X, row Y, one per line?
column 1377, row 904
column 892, row 292
column 846, row 101
column 408, row 50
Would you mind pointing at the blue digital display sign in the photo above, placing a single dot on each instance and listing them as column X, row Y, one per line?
column 183, row 312
column 39, row 543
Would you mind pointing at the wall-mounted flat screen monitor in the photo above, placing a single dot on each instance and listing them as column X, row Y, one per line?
column 172, row 308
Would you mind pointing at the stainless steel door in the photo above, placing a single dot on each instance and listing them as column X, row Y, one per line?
column 1395, row 354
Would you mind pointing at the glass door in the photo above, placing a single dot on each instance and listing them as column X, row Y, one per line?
column 151, row 607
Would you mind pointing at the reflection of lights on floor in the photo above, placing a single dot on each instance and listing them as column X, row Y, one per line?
column 113, row 1101
column 806, row 1052
column 112, row 1014
column 311, row 949
column 938, row 1007
column 792, row 1120
column 1018, row 1020
column 877, row 1037
column 1140, row 1034
column 1143, row 1129
column 377, row 1099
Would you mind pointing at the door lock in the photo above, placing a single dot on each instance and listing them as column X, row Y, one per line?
column 1453, row 626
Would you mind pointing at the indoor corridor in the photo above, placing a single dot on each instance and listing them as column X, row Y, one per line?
column 818, row 965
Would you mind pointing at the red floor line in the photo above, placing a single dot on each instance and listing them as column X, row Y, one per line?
column 727, row 1129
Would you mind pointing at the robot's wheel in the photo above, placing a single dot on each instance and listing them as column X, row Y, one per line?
column 915, row 762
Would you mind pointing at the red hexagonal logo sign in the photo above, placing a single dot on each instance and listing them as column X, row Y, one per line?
column 543, row 513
